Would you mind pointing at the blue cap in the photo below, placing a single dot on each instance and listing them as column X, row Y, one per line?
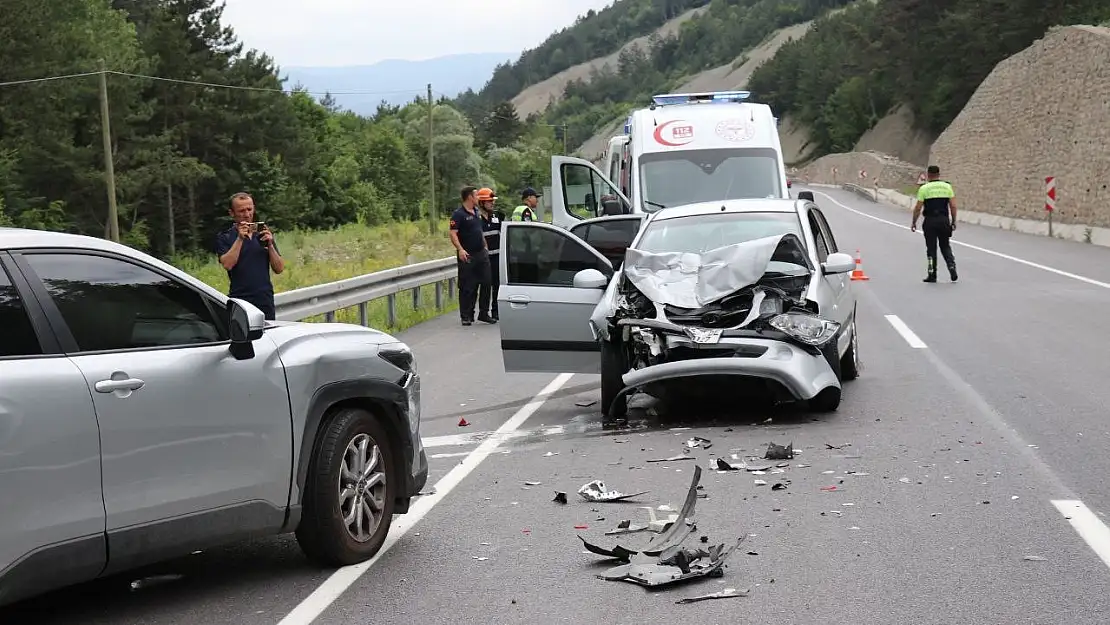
column 529, row 192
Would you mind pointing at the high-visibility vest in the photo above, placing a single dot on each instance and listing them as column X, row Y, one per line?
column 519, row 212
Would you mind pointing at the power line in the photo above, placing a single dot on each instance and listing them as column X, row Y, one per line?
column 48, row 78
column 202, row 84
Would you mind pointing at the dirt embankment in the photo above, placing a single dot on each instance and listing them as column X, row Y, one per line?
column 537, row 97
column 879, row 169
column 1043, row 112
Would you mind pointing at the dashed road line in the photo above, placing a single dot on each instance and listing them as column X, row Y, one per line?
column 333, row 587
column 908, row 334
column 1087, row 524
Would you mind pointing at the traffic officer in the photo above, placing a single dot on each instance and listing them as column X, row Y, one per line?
column 938, row 200
column 527, row 210
column 473, row 257
column 491, row 225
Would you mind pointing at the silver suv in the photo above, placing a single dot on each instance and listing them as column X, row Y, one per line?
column 144, row 415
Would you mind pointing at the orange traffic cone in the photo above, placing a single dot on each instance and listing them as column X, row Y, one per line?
column 857, row 273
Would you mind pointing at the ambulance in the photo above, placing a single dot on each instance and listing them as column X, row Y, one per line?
column 682, row 149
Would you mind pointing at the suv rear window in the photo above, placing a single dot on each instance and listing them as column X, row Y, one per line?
column 18, row 337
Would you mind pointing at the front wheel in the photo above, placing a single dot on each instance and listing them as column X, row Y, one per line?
column 349, row 493
column 850, row 363
column 827, row 400
column 612, row 382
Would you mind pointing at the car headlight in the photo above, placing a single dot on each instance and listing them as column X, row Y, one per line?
column 809, row 329
column 399, row 355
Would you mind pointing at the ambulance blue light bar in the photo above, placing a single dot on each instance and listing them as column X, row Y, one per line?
column 708, row 96
column 628, row 125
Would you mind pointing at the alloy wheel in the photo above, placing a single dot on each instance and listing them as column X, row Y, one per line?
column 362, row 488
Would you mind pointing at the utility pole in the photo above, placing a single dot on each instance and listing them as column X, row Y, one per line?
column 109, row 169
column 564, row 139
column 431, row 166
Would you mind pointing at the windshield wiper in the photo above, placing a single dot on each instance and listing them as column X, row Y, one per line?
column 656, row 204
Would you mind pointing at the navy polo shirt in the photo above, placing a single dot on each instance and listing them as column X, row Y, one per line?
column 250, row 277
column 469, row 227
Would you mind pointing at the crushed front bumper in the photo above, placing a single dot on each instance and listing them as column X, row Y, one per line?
column 804, row 372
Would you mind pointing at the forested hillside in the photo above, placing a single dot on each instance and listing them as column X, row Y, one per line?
column 854, row 67
column 195, row 117
column 726, row 30
column 593, row 35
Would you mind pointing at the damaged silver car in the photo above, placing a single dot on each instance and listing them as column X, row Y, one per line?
column 752, row 293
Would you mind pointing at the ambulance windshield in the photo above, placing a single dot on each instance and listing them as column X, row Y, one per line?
column 691, row 176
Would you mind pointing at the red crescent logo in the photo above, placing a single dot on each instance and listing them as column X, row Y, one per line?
column 672, row 144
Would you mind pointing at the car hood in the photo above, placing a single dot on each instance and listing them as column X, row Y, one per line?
column 284, row 332
column 695, row 280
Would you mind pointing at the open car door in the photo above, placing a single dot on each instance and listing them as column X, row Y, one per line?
column 580, row 191
column 610, row 236
column 551, row 281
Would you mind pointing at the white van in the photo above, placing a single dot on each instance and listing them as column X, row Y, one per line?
column 683, row 149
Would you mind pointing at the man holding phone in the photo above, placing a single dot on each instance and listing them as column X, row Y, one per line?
column 248, row 252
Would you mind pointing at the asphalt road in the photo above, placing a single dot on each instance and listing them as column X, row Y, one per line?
column 981, row 404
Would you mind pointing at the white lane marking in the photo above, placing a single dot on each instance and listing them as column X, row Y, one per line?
column 906, row 332
column 1090, row 528
column 314, row 605
column 457, row 454
column 1022, row 261
column 456, row 440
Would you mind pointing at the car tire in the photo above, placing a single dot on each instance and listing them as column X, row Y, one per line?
column 850, row 363
column 346, row 445
column 827, row 400
column 613, row 404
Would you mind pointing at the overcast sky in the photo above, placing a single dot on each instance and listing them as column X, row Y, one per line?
column 360, row 32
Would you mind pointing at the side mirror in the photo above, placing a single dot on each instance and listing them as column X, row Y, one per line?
column 805, row 195
column 590, row 279
column 838, row 263
column 245, row 321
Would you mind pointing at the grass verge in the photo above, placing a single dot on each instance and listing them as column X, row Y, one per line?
column 317, row 257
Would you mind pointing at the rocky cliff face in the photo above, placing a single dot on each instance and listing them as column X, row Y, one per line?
column 1042, row 112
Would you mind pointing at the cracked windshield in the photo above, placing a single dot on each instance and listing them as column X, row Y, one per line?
column 309, row 306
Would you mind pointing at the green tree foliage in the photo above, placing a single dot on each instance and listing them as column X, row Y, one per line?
column 853, row 67
column 195, row 118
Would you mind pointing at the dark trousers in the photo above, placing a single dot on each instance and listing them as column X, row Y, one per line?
column 261, row 302
column 472, row 275
column 937, row 233
column 487, row 292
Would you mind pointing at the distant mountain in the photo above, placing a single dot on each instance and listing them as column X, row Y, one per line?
column 397, row 81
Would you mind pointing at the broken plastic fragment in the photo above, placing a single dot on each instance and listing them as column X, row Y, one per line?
column 779, row 452
column 560, row 497
column 779, row 486
column 532, row 483
column 585, row 403
column 672, row 459
column 596, row 491
column 698, row 441
column 760, row 483
column 727, row 593
column 1035, row 559
column 463, row 422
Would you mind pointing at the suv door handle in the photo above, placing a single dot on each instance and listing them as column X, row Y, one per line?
column 111, row 386
column 519, row 299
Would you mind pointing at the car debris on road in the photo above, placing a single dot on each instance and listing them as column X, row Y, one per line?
column 664, row 561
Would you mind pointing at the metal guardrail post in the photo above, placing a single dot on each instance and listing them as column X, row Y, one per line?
column 391, row 305
column 439, row 295
column 450, row 288
column 329, row 316
column 363, row 315
column 416, row 298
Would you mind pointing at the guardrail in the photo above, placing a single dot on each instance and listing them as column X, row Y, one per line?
column 328, row 299
column 863, row 192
